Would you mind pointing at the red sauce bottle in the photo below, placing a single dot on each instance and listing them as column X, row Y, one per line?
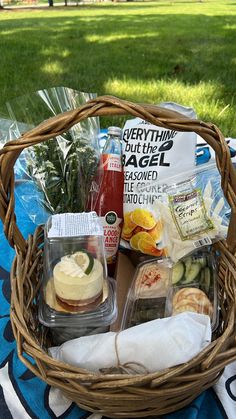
column 109, row 203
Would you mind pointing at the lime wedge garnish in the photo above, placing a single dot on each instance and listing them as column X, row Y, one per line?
column 85, row 261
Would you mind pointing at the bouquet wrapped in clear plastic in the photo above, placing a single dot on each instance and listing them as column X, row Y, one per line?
column 62, row 169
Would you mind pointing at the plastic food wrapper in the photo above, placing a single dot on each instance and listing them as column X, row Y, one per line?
column 76, row 293
column 146, row 299
column 65, row 325
column 62, row 169
column 150, row 152
column 148, row 347
column 193, row 211
column 194, row 286
column 7, row 253
column 10, row 130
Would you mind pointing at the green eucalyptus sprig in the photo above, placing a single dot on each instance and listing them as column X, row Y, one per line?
column 64, row 168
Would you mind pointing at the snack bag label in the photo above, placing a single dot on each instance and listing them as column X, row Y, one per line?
column 149, row 153
column 189, row 214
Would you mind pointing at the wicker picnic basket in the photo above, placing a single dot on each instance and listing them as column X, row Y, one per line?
column 116, row 395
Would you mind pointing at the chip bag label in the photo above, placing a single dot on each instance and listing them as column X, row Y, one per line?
column 150, row 153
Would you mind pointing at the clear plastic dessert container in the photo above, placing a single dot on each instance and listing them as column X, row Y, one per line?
column 194, row 286
column 74, row 260
column 66, row 326
column 51, row 314
column 146, row 299
column 76, row 295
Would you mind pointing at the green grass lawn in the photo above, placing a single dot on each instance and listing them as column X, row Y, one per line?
column 182, row 51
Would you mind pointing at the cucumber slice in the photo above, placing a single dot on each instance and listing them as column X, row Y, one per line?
column 192, row 275
column 188, row 262
column 202, row 278
column 85, row 261
column 207, row 279
column 178, row 272
column 203, row 261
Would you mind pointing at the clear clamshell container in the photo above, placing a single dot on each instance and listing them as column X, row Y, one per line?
column 76, row 292
column 148, row 293
column 194, row 286
column 66, row 325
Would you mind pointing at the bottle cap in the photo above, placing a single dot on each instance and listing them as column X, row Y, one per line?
column 114, row 131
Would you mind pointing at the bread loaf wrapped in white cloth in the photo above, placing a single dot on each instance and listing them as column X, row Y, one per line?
column 154, row 345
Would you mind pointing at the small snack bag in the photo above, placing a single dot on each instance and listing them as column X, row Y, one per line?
column 193, row 211
column 150, row 152
column 147, row 296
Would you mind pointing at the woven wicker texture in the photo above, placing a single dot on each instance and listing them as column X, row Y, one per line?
column 117, row 395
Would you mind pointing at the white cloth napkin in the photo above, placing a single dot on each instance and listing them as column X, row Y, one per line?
column 155, row 345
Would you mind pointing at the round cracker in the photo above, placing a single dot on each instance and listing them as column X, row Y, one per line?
column 185, row 302
column 194, row 293
column 198, row 307
column 183, row 309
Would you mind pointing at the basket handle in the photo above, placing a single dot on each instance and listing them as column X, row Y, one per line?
column 108, row 106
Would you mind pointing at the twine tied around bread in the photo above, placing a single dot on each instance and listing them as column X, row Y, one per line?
column 131, row 367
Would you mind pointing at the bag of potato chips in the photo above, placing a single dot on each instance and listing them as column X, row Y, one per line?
column 150, row 153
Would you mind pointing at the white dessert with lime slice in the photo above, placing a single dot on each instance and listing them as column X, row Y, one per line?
column 78, row 280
